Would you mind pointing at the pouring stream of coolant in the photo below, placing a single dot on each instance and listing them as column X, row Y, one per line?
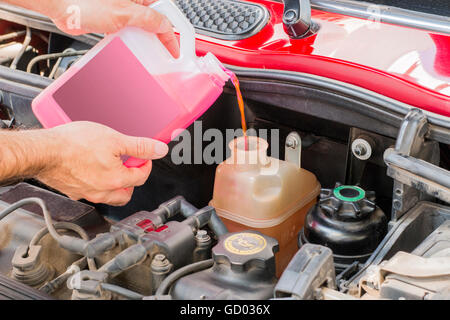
column 240, row 100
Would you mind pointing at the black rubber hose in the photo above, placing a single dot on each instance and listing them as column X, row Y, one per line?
column 215, row 223
column 174, row 276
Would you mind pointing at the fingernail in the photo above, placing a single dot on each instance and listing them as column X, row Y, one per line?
column 161, row 149
column 165, row 26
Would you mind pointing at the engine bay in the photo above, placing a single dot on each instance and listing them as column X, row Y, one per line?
column 369, row 220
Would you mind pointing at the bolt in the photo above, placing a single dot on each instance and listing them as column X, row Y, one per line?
column 160, row 264
column 360, row 150
column 291, row 143
column 202, row 236
column 290, row 16
column 202, row 233
column 159, row 261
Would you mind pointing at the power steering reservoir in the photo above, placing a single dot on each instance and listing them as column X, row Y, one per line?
column 348, row 221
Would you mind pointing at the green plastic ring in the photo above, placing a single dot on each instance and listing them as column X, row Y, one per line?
column 337, row 193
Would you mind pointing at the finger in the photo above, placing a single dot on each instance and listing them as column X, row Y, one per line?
column 135, row 177
column 170, row 41
column 152, row 21
column 143, row 148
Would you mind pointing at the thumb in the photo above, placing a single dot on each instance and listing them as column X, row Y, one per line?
column 143, row 148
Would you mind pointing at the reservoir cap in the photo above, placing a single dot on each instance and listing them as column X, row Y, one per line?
column 241, row 250
column 346, row 202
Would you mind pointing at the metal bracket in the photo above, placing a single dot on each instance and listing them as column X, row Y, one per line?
column 419, row 174
column 413, row 165
column 293, row 149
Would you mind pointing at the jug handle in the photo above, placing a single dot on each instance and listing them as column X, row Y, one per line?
column 181, row 23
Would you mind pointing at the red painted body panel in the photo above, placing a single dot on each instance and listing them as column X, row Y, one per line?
column 406, row 64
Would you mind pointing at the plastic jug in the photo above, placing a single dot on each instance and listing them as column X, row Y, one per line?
column 254, row 191
column 131, row 83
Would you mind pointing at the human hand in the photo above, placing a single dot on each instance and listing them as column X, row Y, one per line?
column 109, row 16
column 85, row 162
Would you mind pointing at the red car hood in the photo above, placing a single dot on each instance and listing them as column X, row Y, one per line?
column 406, row 64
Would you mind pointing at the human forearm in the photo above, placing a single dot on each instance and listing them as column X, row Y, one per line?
column 46, row 7
column 81, row 159
column 24, row 154
column 104, row 16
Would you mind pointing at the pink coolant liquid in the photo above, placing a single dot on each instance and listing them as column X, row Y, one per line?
column 122, row 94
column 196, row 96
column 241, row 106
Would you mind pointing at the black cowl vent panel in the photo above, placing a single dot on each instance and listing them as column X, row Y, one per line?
column 225, row 19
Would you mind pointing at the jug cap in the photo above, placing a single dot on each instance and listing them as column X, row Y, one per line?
column 215, row 68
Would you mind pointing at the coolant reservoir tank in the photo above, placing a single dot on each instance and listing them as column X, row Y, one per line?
column 262, row 193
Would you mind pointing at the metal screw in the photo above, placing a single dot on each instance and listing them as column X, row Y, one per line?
column 291, row 143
